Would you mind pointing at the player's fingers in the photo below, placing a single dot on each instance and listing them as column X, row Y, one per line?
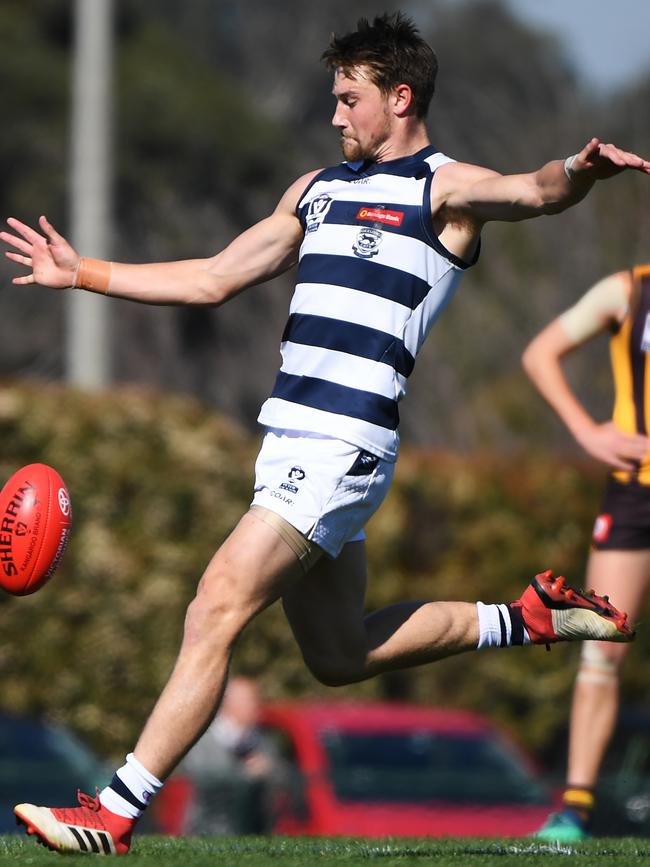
column 18, row 243
column 623, row 464
column 23, row 281
column 26, row 231
column 590, row 149
column 22, row 260
column 614, row 155
column 50, row 231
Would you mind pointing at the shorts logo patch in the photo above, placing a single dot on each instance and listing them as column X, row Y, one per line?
column 364, row 464
column 297, row 473
column 381, row 215
column 602, row 528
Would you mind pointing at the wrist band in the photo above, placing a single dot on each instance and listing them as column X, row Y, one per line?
column 568, row 167
column 93, row 275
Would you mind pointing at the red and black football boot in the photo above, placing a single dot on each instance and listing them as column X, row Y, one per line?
column 552, row 611
column 89, row 828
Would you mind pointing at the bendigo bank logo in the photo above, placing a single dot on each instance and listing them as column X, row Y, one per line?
column 381, row 215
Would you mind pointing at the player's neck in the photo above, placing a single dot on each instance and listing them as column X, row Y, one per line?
column 404, row 143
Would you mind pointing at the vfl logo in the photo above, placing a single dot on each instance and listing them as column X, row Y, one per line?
column 20, row 528
column 367, row 244
column 295, row 474
column 317, row 211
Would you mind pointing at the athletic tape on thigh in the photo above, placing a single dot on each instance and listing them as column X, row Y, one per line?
column 306, row 552
column 595, row 665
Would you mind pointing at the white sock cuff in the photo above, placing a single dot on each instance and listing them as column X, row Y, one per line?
column 495, row 627
column 139, row 768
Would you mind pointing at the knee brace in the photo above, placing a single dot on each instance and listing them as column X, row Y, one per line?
column 595, row 665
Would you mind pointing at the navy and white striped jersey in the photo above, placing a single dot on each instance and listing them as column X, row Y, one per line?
column 372, row 279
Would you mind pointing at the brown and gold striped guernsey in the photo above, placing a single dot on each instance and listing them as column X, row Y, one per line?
column 630, row 357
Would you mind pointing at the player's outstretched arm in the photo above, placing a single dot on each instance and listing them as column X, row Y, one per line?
column 258, row 254
column 482, row 195
column 603, row 306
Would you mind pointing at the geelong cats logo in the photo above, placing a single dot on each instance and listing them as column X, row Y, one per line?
column 367, row 243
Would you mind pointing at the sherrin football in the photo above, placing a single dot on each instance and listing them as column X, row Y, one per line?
column 35, row 519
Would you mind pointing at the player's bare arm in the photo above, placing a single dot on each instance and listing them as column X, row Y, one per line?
column 465, row 197
column 600, row 309
column 267, row 249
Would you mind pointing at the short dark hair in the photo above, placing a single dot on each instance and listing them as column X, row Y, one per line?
column 393, row 51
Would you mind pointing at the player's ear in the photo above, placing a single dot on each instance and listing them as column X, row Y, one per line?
column 402, row 99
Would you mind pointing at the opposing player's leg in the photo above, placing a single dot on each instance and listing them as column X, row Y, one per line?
column 595, row 701
column 253, row 567
column 341, row 644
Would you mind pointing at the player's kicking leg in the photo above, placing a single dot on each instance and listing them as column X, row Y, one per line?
column 342, row 645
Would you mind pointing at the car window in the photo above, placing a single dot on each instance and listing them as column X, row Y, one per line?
column 421, row 766
column 32, row 749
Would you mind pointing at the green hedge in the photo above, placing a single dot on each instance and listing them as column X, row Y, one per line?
column 158, row 481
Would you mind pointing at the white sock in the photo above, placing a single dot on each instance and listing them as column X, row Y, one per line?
column 496, row 627
column 131, row 789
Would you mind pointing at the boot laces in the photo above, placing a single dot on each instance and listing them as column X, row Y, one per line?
column 92, row 803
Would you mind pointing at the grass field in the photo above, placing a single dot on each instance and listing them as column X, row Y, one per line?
column 389, row 852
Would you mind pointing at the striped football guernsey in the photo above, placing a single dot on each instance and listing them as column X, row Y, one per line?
column 630, row 357
column 372, row 279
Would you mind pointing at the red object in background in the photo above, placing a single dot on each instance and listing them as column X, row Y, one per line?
column 383, row 769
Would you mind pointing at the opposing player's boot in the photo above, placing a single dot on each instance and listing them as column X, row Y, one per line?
column 562, row 827
column 88, row 828
column 552, row 611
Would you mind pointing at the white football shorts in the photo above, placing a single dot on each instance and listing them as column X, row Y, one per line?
column 326, row 488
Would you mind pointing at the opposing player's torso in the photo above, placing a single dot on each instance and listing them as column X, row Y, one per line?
column 630, row 357
column 372, row 279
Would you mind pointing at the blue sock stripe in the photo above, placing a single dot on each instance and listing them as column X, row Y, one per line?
column 517, row 626
column 502, row 627
column 121, row 789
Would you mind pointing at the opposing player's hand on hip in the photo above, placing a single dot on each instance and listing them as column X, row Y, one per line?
column 52, row 260
column 608, row 444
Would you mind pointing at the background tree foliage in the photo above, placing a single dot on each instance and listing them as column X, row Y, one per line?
column 219, row 106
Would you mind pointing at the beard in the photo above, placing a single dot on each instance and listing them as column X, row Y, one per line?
column 352, row 150
column 371, row 149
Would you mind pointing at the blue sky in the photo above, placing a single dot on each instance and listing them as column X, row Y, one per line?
column 609, row 42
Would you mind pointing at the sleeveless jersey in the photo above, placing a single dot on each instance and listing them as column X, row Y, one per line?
column 372, row 279
column 630, row 358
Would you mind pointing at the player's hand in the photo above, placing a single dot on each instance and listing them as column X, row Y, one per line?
column 608, row 444
column 52, row 259
column 598, row 161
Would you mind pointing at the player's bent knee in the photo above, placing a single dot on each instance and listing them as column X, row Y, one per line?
column 334, row 671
